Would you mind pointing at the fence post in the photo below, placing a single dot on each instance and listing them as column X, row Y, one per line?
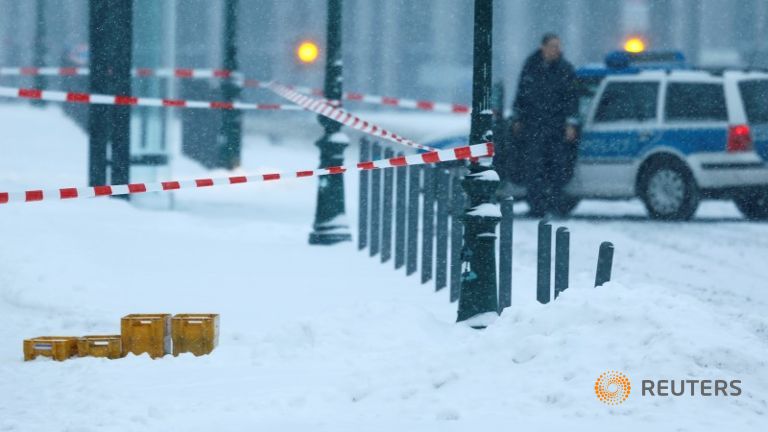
column 604, row 264
column 428, row 224
column 562, row 259
column 386, row 217
column 442, row 193
column 412, row 242
column 400, row 227
column 362, row 231
column 544, row 262
column 375, row 200
column 505, row 253
column 457, row 234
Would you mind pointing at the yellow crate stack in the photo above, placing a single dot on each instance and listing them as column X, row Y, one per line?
column 146, row 333
column 154, row 334
column 195, row 333
column 56, row 347
column 108, row 346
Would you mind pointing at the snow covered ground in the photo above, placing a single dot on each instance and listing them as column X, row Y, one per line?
column 327, row 339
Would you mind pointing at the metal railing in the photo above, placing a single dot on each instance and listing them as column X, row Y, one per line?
column 414, row 214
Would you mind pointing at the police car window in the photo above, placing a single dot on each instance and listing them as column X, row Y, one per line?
column 755, row 95
column 622, row 101
column 695, row 101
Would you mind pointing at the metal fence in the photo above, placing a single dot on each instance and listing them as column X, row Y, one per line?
column 414, row 214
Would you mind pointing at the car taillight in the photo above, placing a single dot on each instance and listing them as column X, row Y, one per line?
column 739, row 138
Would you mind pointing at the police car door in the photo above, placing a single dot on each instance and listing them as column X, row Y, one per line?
column 753, row 88
column 623, row 121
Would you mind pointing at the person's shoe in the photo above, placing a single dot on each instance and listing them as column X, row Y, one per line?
column 550, row 215
column 536, row 213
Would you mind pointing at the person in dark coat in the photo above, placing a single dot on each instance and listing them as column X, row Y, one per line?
column 544, row 125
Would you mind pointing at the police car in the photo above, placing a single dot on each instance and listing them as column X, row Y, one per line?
column 671, row 136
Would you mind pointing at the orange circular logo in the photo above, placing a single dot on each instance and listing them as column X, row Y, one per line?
column 612, row 387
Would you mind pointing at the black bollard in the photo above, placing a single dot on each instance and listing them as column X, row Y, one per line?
column 412, row 237
column 604, row 264
column 562, row 259
column 428, row 224
column 505, row 253
column 457, row 234
column 375, row 202
column 362, row 225
column 544, row 262
column 386, row 216
column 442, row 193
column 400, row 227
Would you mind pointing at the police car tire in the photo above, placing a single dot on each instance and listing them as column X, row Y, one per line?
column 753, row 205
column 671, row 169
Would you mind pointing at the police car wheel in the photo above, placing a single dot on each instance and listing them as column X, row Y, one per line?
column 754, row 204
column 669, row 191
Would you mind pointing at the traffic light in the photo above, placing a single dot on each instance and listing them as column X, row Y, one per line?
column 307, row 52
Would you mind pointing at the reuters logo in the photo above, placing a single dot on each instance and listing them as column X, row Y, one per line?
column 612, row 387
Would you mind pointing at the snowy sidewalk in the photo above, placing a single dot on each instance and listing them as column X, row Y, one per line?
column 327, row 339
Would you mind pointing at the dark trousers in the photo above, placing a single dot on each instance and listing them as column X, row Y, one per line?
column 549, row 162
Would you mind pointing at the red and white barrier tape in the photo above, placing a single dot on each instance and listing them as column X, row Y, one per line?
column 321, row 107
column 408, row 103
column 93, row 98
column 137, row 72
column 325, row 109
column 422, row 105
column 461, row 153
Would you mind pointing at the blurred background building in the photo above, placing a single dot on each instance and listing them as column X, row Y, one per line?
column 407, row 48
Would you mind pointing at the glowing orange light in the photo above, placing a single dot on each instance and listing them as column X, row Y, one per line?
column 307, row 52
column 634, row 45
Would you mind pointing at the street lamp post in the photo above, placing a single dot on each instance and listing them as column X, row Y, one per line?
column 478, row 301
column 330, row 225
column 230, row 134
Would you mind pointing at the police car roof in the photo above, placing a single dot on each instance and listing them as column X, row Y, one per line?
column 671, row 76
column 623, row 63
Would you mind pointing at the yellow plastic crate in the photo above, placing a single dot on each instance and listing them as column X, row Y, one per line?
column 146, row 333
column 195, row 333
column 57, row 347
column 109, row 346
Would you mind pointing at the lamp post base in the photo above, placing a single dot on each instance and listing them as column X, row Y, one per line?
column 328, row 238
column 331, row 225
column 478, row 302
